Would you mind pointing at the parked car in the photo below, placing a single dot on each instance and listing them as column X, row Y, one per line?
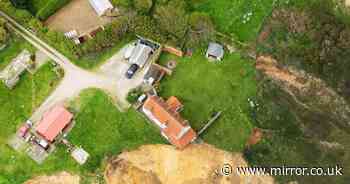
column 131, row 71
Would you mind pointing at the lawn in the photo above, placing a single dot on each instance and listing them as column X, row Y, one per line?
column 16, row 106
column 100, row 129
column 228, row 16
column 14, row 47
column 205, row 87
column 104, row 131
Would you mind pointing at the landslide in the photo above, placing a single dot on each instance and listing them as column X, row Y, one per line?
column 163, row 164
column 59, row 178
column 303, row 94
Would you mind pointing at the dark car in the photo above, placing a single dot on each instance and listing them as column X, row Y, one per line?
column 131, row 71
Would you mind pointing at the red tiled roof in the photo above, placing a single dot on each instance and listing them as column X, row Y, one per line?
column 174, row 104
column 53, row 122
column 177, row 130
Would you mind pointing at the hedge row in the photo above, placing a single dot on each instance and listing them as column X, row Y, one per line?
column 51, row 7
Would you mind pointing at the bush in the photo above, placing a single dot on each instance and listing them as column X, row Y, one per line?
column 123, row 3
column 202, row 29
column 3, row 32
column 143, row 6
column 133, row 95
column 172, row 20
column 51, row 7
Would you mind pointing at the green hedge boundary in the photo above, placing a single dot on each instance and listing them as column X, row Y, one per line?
column 51, row 7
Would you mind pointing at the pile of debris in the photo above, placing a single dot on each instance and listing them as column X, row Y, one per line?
column 11, row 74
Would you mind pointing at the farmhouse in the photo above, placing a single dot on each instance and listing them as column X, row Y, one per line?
column 10, row 75
column 215, row 51
column 101, row 6
column 53, row 123
column 165, row 114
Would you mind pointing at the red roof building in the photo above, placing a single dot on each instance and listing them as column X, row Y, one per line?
column 165, row 114
column 54, row 122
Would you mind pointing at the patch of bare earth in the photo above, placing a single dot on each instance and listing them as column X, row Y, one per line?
column 163, row 164
column 307, row 90
column 59, row 178
column 77, row 15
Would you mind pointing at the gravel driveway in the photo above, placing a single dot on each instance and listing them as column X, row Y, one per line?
column 109, row 78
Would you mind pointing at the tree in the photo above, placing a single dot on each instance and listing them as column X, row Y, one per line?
column 123, row 3
column 3, row 32
column 19, row 3
column 201, row 28
column 143, row 6
column 172, row 19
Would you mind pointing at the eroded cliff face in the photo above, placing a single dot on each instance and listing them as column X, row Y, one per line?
column 303, row 91
column 163, row 164
column 59, row 178
column 310, row 95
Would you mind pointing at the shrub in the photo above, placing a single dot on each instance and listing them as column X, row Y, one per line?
column 3, row 32
column 51, row 7
column 143, row 6
column 123, row 3
column 133, row 95
column 172, row 20
column 201, row 28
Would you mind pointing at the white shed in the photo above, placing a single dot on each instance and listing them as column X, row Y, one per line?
column 101, row 6
column 80, row 155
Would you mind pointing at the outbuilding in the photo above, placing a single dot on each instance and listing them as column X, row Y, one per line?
column 140, row 54
column 101, row 6
column 215, row 51
column 53, row 123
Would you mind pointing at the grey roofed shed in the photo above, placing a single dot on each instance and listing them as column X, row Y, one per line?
column 140, row 54
column 215, row 51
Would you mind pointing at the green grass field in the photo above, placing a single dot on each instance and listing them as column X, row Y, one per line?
column 104, row 131
column 100, row 129
column 206, row 87
column 228, row 16
column 16, row 106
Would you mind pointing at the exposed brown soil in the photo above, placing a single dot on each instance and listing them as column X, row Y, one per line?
column 269, row 66
column 59, row 178
column 255, row 137
column 163, row 164
column 77, row 15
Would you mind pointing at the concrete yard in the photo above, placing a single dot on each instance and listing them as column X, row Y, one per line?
column 77, row 15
